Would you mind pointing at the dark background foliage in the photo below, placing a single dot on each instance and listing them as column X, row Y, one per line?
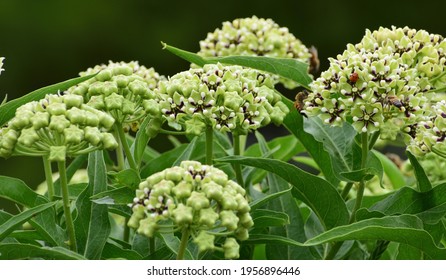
column 48, row 41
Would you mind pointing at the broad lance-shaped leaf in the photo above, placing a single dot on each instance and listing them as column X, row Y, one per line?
column 391, row 170
column 17, row 251
column 430, row 206
column 423, row 181
column 142, row 138
column 344, row 152
column 318, row 194
column 92, row 225
column 45, row 223
column 173, row 243
column 263, row 218
column 337, row 141
column 406, row 229
column 286, row 67
column 294, row 230
column 119, row 196
column 7, row 110
column 294, row 122
column 16, row 221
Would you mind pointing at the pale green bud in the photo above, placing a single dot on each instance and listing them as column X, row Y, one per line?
column 231, row 248
column 204, row 241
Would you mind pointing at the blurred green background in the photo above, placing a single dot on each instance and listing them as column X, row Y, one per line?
column 48, row 41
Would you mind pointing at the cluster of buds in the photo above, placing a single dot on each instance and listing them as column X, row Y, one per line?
column 120, row 89
column 199, row 198
column 228, row 98
column 384, row 83
column 58, row 126
column 257, row 37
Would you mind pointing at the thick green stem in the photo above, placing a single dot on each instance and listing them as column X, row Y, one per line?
column 49, row 177
column 125, row 146
column 183, row 244
column 119, row 153
column 209, row 144
column 66, row 205
column 170, row 132
column 346, row 190
column 359, row 194
column 126, row 234
column 237, row 167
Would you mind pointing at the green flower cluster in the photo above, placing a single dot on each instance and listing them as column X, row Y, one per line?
column 56, row 126
column 120, row 90
column 228, row 98
column 429, row 134
column 255, row 37
column 384, row 83
column 197, row 197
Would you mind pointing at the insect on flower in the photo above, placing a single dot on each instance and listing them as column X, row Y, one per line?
column 354, row 77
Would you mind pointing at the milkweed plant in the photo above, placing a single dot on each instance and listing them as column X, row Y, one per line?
column 271, row 158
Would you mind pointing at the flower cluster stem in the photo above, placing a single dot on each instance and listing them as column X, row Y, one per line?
column 48, row 177
column 66, row 205
column 209, row 144
column 237, row 167
column 125, row 146
column 183, row 244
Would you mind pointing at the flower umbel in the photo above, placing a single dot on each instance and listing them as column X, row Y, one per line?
column 384, row 83
column 57, row 126
column 256, row 37
column 197, row 197
column 120, row 90
column 228, row 98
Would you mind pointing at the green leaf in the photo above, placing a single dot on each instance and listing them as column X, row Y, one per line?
column 7, row 110
column 318, row 194
column 142, row 138
column 16, row 221
column 294, row 122
column 4, row 216
column 127, row 177
column 112, row 251
column 407, row 252
column 17, row 191
column 295, row 230
column 391, row 170
column 423, row 182
column 17, row 251
column 27, row 235
column 282, row 148
column 271, row 239
column 165, row 160
column 119, row 196
column 173, row 243
column 406, row 229
column 285, row 67
column 187, row 153
column 373, row 168
column 268, row 218
column 260, row 202
column 92, row 225
column 337, row 141
column 429, row 206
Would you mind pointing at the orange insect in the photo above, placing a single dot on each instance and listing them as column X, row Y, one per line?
column 354, row 77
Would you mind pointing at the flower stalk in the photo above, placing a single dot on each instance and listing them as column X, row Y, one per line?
column 66, row 205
